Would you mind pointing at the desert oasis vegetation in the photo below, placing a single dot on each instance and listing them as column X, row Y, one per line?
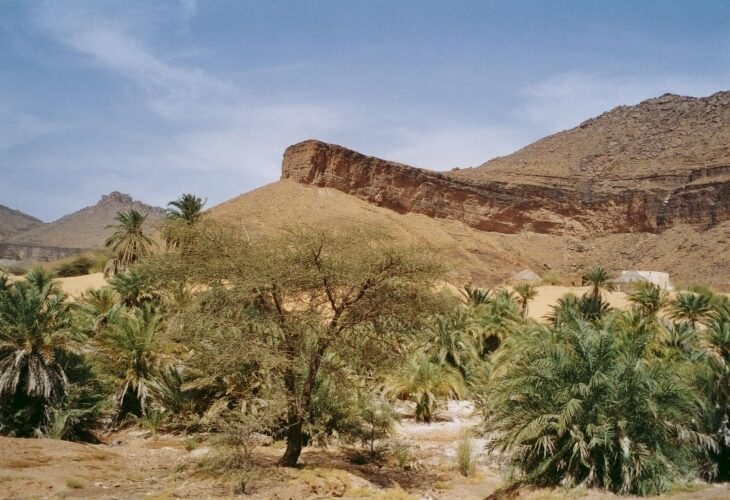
column 551, row 323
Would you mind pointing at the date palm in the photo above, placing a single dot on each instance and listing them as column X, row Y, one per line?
column 591, row 404
column 129, row 353
column 426, row 382
column 186, row 211
column 101, row 306
column 691, row 307
column 598, row 279
column 525, row 293
column 452, row 340
column 35, row 335
column 648, row 299
column 128, row 243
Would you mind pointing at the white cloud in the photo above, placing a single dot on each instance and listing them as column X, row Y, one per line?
column 19, row 128
column 455, row 146
column 564, row 100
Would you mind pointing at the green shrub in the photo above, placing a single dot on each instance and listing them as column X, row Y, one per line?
column 80, row 266
column 551, row 278
column 589, row 403
column 465, row 455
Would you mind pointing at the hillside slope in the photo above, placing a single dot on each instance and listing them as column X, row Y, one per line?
column 13, row 222
column 645, row 168
column 86, row 228
column 269, row 209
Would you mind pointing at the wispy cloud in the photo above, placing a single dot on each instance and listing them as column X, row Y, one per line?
column 564, row 100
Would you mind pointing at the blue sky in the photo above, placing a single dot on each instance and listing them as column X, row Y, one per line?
column 159, row 98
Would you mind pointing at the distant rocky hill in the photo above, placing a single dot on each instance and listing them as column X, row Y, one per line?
column 85, row 228
column 643, row 168
column 14, row 221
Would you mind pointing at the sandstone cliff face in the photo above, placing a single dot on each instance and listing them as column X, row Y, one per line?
column 635, row 169
column 510, row 207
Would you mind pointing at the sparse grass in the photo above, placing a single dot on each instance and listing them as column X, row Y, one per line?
column 552, row 278
column 362, row 493
column 402, row 455
column 75, row 484
column 441, row 485
column 191, row 442
column 465, row 455
column 326, row 481
column 396, row 493
column 678, row 488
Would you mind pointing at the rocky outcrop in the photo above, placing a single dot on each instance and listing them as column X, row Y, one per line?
column 30, row 253
column 644, row 168
column 703, row 199
column 88, row 227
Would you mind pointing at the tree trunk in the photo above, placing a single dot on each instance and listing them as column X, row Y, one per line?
column 294, row 439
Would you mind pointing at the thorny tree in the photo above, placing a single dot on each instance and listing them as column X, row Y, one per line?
column 312, row 292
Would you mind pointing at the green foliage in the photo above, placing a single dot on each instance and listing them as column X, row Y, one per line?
column 569, row 308
column 135, row 289
column 34, row 336
column 648, row 299
column 186, row 211
column 525, row 293
column 426, row 382
column 465, row 455
column 598, row 279
column 130, row 353
column 588, row 403
column 128, row 243
column 552, row 278
column 77, row 267
column 474, row 296
column 691, row 307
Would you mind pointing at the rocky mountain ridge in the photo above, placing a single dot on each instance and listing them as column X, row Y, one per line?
column 14, row 221
column 83, row 229
column 643, row 168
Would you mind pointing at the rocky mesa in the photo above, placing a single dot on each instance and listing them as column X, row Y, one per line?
column 643, row 168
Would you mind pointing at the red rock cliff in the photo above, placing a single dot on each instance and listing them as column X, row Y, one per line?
column 702, row 198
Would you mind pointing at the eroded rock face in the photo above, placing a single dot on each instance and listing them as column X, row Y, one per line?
column 590, row 191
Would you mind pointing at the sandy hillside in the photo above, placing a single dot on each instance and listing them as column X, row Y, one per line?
column 471, row 253
column 488, row 258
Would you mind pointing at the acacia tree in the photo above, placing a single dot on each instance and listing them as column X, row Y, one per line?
column 309, row 293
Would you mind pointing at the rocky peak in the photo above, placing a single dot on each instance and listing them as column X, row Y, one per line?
column 116, row 197
column 640, row 168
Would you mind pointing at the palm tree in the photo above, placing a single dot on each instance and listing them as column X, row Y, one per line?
column 128, row 242
column 591, row 404
column 691, row 307
column 425, row 381
column 35, row 335
column 598, row 279
column 525, row 292
column 186, row 211
column 102, row 306
column 452, row 340
column 475, row 296
column 133, row 288
column 187, row 208
column 129, row 353
column 648, row 299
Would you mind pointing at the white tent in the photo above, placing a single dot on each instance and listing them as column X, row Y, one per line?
column 659, row 278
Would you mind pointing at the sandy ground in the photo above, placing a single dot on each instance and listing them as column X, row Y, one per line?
column 133, row 465
column 78, row 284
